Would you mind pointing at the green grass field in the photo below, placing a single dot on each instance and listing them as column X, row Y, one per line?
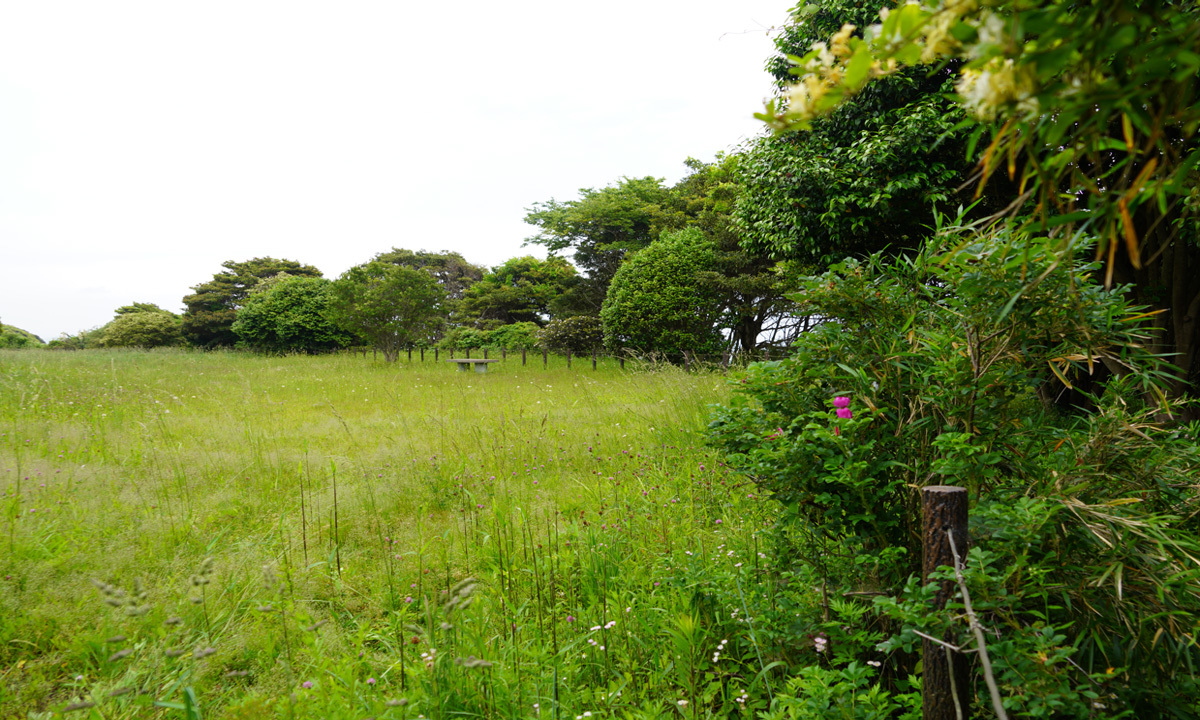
column 225, row 535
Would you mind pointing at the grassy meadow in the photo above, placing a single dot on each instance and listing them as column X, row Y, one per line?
column 222, row 535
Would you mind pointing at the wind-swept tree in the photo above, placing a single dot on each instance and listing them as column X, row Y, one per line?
column 212, row 308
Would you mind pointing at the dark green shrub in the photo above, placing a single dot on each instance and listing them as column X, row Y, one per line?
column 580, row 334
column 142, row 330
column 290, row 315
column 947, row 361
column 464, row 338
column 516, row 336
column 658, row 302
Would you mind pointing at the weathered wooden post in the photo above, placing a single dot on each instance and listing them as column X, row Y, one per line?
column 945, row 680
column 622, row 362
column 687, row 365
column 468, row 355
column 503, row 354
column 568, row 358
column 485, row 353
column 545, row 358
column 422, row 354
column 522, row 357
column 410, row 353
column 593, row 359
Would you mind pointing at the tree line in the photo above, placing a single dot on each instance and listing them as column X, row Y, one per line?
column 888, row 144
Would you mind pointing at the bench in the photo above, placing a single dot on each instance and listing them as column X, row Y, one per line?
column 465, row 364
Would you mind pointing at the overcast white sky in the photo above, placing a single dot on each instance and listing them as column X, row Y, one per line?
column 144, row 143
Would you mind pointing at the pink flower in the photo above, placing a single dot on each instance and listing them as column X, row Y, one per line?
column 841, row 401
column 845, row 413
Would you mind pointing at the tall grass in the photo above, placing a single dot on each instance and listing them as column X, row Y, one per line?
column 223, row 535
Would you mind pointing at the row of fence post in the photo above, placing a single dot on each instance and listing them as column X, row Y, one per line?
column 726, row 360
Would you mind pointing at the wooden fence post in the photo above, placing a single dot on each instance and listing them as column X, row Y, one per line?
column 503, row 354
column 945, row 681
column 422, row 354
column 485, row 353
column 545, row 359
column 622, row 362
column 593, row 359
column 522, row 357
column 410, row 354
column 687, row 364
column 468, row 356
column 568, row 358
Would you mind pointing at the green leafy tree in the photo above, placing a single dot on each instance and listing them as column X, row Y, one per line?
column 290, row 314
column 861, row 179
column 451, row 269
column 523, row 289
column 751, row 287
column 1090, row 110
column 657, row 301
column 212, row 308
column 602, row 226
column 389, row 306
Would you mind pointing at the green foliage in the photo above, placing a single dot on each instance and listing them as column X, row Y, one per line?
column 523, row 289
column 212, row 308
column 1089, row 111
column 818, row 693
column 750, row 288
column 658, row 303
column 464, row 338
column 291, row 314
column 15, row 337
column 140, row 307
column 82, row 340
column 390, row 306
column 602, row 227
column 517, row 336
column 864, row 178
column 580, row 334
column 949, row 362
column 451, row 269
column 141, row 328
